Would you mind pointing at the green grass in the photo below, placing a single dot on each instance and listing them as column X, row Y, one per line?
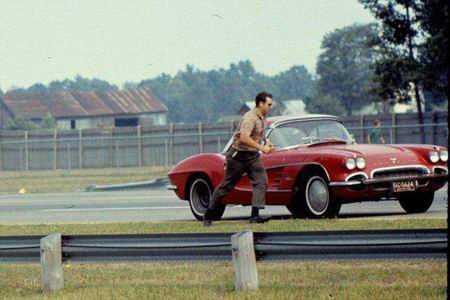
column 417, row 279
column 380, row 279
column 221, row 226
column 74, row 180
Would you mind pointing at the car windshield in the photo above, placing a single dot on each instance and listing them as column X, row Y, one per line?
column 308, row 132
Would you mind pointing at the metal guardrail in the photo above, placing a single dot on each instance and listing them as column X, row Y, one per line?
column 324, row 245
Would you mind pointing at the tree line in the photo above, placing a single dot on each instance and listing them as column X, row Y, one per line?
column 400, row 58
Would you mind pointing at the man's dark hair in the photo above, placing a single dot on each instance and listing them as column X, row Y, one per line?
column 261, row 97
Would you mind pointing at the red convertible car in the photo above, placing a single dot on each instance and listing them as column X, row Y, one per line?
column 316, row 168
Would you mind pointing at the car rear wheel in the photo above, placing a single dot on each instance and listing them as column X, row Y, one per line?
column 414, row 203
column 313, row 199
column 200, row 194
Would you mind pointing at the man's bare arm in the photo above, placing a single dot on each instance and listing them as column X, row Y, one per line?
column 247, row 140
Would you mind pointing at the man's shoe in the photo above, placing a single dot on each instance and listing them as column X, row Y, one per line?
column 259, row 219
column 207, row 223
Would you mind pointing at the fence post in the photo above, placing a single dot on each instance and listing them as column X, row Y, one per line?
column 51, row 263
column 116, row 153
column 394, row 128
column 139, row 137
column 26, row 151
column 244, row 261
column 200, row 137
column 55, row 149
column 172, row 143
column 166, row 153
column 80, row 148
column 69, row 156
column 1, row 155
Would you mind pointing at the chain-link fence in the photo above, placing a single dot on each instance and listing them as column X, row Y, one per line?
column 107, row 151
column 137, row 147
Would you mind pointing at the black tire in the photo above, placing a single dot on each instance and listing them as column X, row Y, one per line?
column 200, row 194
column 303, row 207
column 414, row 203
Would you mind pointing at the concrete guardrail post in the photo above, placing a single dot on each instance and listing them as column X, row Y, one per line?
column 244, row 261
column 51, row 263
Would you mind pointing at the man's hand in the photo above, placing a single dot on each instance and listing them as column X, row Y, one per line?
column 267, row 148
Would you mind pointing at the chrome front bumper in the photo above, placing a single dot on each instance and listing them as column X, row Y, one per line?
column 386, row 179
column 171, row 187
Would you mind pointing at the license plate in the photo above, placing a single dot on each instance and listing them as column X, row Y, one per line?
column 404, row 186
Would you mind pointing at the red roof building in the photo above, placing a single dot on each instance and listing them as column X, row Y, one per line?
column 80, row 110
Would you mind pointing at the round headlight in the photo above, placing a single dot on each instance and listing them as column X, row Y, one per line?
column 350, row 163
column 444, row 155
column 434, row 157
column 360, row 162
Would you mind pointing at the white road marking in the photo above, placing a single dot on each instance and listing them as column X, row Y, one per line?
column 114, row 208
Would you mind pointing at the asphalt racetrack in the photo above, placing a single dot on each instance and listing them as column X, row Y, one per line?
column 162, row 205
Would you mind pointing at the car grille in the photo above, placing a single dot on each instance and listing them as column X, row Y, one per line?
column 393, row 173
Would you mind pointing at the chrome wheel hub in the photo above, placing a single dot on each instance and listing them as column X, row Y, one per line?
column 317, row 195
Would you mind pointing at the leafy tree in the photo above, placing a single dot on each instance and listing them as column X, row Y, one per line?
column 295, row 83
column 48, row 122
column 414, row 44
column 81, row 84
column 20, row 124
column 345, row 66
column 193, row 95
column 325, row 104
column 433, row 52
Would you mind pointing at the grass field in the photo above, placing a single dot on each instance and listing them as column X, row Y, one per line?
column 417, row 279
column 74, row 180
column 222, row 226
column 384, row 279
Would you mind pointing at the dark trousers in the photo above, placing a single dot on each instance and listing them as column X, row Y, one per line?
column 238, row 163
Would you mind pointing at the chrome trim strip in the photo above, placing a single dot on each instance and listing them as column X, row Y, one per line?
column 306, row 118
column 399, row 168
column 356, row 173
column 344, row 183
column 267, row 191
column 171, row 187
column 388, row 179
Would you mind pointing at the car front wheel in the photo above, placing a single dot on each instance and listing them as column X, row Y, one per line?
column 414, row 203
column 313, row 199
column 200, row 194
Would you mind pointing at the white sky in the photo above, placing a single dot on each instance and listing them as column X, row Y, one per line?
column 119, row 41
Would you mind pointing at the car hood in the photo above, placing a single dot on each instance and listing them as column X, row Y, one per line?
column 369, row 150
column 376, row 155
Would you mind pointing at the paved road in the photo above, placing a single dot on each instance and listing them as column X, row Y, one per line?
column 161, row 205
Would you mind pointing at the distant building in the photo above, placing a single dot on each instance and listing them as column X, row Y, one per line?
column 82, row 110
column 293, row 107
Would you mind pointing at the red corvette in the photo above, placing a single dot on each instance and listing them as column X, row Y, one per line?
column 316, row 168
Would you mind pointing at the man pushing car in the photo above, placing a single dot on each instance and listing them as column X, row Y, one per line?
column 244, row 157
